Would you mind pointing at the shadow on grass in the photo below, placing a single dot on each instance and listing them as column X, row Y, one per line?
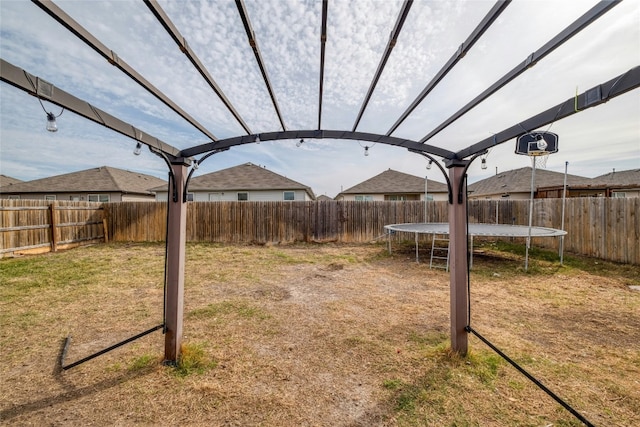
column 72, row 394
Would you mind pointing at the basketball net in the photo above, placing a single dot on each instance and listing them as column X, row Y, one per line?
column 539, row 158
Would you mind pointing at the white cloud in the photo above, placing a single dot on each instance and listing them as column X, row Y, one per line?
column 288, row 33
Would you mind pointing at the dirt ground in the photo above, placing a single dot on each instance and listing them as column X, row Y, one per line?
column 314, row 335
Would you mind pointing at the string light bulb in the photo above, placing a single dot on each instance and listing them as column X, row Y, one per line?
column 299, row 143
column 366, row 151
column 429, row 164
column 51, row 123
column 138, row 148
column 483, row 163
column 257, row 140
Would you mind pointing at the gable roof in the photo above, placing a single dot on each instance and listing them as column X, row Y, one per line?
column 6, row 180
column 519, row 181
column 102, row 179
column 394, row 182
column 246, row 176
column 628, row 178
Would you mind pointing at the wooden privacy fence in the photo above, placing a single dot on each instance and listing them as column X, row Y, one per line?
column 32, row 226
column 607, row 228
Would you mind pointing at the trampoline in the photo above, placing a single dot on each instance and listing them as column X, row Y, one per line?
column 475, row 229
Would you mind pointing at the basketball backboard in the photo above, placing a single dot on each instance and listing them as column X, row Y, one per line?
column 537, row 143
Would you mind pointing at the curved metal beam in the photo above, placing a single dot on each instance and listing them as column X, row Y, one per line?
column 79, row 31
column 196, row 164
column 164, row 20
column 578, row 25
column 444, row 173
column 317, row 134
column 393, row 38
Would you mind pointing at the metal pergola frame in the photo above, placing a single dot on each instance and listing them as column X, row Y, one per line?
column 457, row 162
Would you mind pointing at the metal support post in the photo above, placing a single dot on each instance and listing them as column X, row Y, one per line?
column 458, row 260
column 176, row 239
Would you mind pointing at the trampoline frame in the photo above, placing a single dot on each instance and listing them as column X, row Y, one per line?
column 475, row 229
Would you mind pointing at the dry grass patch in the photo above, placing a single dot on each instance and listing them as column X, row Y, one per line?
column 316, row 335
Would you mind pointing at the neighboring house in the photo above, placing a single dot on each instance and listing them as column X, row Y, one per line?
column 103, row 184
column 516, row 184
column 394, row 185
column 614, row 184
column 6, row 180
column 323, row 198
column 243, row 182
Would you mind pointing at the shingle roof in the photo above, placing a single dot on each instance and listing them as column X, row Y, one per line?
column 6, row 180
column 394, row 182
column 104, row 178
column 246, row 176
column 628, row 178
column 519, row 181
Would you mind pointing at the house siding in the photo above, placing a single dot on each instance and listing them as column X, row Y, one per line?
column 381, row 197
column 232, row 196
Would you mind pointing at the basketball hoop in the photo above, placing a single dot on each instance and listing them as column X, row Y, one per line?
column 538, row 146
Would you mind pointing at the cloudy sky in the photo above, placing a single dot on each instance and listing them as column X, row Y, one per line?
column 288, row 33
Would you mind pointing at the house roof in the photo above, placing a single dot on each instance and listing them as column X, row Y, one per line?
column 628, row 178
column 6, row 180
column 245, row 177
column 102, row 179
column 394, row 182
column 519, row 181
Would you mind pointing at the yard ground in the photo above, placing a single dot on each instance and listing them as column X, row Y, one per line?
column 316, row 335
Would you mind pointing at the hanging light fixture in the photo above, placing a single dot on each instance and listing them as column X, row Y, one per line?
column 299, row 143
column 51, row 123
column 138, row 148
column 483, row 163
column 429, row 164
column 52, row 126
column 366, row 151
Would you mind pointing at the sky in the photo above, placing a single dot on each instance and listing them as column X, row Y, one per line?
column 594, row 141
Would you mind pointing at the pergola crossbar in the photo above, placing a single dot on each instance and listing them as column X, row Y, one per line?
column 475, row 35
column 168, row 25
column 79, row 31
column 242, row 10
column 393, row 38
column 33, row 85
column 578, row 25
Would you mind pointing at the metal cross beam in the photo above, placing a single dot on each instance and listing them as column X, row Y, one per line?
column 475, row 35
column 323, row 42
column 35, row 86
column 256, row 51
column 393, row 38
column 79, row 31
column 595, row 96
column 164, row 20
column 578, row 25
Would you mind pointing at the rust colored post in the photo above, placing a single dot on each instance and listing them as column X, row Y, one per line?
column 54, row 224
column 176, row 239
column 458, row 260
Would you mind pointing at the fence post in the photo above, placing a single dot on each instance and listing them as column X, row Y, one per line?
column 53, row 222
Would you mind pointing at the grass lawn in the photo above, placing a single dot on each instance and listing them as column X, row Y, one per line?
column 317, row 335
